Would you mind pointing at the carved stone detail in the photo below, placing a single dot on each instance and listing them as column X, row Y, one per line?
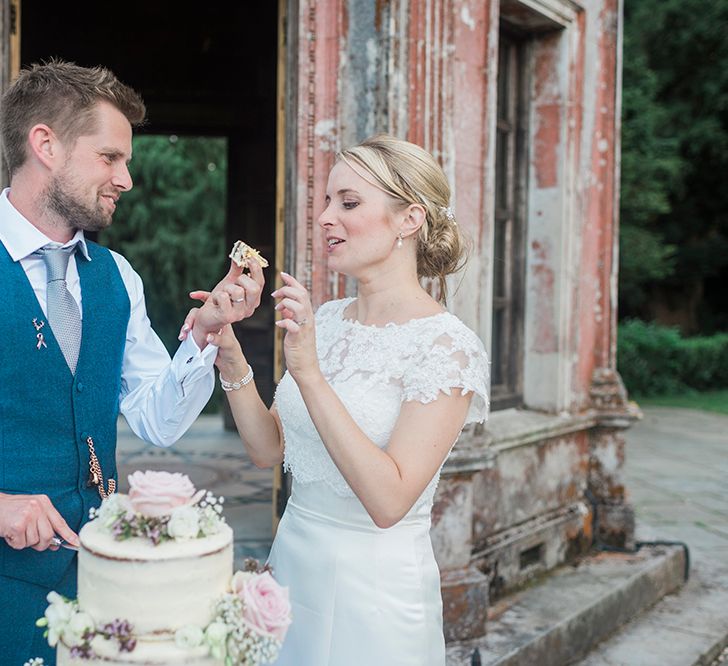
column 609, row 398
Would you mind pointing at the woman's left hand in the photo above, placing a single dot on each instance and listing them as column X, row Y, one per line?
column 299, row 345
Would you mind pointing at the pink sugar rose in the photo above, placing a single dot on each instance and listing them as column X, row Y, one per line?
column 155, row 494
column 266, row 606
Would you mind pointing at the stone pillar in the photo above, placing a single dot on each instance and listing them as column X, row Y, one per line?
column 613, row 515
column 464, row 587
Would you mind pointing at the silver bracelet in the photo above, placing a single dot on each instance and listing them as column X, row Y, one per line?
column 235, row 386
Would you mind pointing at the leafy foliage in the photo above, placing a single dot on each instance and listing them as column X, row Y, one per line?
column 674, row 206
column 657, row 360
column 171, row 225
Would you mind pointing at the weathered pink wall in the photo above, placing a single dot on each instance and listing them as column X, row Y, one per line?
column 321, row 29
column 597, row 304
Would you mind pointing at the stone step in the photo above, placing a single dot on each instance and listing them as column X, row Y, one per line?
column 686, row 628
column 559, row 619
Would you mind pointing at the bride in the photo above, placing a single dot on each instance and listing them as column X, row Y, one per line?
column 376, row 392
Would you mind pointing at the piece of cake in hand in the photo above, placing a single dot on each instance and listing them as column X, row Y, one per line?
column 156, row 585
column 242, row 253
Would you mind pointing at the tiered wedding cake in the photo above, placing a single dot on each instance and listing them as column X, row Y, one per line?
column 156, row 585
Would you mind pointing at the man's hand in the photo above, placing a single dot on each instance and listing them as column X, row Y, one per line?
column 234, row 298
column 31, row 521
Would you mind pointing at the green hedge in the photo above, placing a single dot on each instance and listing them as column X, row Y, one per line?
column 657, row 360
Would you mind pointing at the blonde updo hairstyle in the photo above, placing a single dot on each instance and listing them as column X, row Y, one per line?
column 410, row 175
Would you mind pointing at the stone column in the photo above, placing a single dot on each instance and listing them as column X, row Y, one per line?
column 464, row 588
column 613, row 515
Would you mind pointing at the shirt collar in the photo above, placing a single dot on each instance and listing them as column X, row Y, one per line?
column 21, row 238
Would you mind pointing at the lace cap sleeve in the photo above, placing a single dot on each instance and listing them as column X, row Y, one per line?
column 454, row 358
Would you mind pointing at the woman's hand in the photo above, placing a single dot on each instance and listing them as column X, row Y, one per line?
column 299, row 345
column 230, row 360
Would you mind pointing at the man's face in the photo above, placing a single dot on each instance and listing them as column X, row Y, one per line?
column 85, row 189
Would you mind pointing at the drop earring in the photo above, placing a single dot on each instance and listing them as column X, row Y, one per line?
column 399, row 239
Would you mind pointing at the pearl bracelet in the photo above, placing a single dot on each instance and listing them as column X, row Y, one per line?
column 235, row 386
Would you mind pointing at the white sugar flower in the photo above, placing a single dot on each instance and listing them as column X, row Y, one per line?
column 215, row 637
column 55, row 598
column 56, row 617
column 112, row 508
column 188, row 637
column 184, row 523
column 77, row 626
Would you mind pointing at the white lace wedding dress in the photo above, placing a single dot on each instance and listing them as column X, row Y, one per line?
column 361, row 595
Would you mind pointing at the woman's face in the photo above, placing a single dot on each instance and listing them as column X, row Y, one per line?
column 359, row 224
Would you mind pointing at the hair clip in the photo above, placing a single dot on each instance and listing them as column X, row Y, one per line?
column 447, row 212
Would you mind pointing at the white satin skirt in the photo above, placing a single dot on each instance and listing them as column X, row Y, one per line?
column 361, row 595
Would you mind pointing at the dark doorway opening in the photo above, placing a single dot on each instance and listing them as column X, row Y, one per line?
column 203, row 69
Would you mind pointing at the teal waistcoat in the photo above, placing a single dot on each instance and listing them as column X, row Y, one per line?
column 46, row 413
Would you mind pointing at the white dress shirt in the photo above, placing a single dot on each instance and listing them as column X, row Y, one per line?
column 159, row 398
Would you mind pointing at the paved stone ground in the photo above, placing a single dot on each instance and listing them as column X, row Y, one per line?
column 677, row 476
column 215, row 460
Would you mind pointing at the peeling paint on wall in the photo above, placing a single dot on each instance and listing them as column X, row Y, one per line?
column 326, row 131
column 466, row 17
column 546, row 145
column 542, row 293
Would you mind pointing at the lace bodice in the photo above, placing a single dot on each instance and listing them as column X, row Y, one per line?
column 374, row 370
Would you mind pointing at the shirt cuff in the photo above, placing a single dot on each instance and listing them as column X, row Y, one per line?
column 189, row 363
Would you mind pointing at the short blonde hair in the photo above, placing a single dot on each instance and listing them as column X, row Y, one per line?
column 410, row 175
column 64, row 96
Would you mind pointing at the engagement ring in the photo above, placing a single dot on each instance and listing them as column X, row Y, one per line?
column 302, row 322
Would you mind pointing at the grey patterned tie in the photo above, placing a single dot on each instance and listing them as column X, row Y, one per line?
column 63, row 313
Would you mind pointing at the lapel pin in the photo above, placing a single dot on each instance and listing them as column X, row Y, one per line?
column 41, row 340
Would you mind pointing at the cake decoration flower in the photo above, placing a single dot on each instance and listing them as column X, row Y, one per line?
column 266, row 605
column 189, row 636
column 155, row 494
column 184, row 523
column 160, row 506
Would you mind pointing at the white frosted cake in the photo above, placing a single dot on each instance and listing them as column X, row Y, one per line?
column 156, row 586
column 159, row 588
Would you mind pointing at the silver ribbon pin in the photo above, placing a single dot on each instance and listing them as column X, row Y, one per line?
column 41, row 340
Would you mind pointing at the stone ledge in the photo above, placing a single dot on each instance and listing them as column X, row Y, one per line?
column 478, row 446
column 561, row 618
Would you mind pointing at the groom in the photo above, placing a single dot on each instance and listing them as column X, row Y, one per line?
column 76, row 346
